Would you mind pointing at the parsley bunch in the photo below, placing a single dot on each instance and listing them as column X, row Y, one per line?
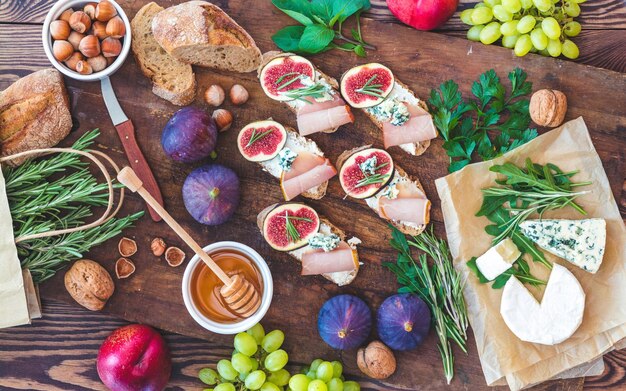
column 489, row 125
column 320, row 26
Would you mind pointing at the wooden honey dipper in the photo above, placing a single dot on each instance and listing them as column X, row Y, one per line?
column 238, row 293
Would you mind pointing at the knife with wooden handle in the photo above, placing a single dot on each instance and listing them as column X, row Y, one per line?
column 126, row 132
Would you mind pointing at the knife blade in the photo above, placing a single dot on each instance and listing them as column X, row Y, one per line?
column 126, row 133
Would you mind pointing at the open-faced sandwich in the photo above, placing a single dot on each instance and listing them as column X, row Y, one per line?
column 320, row 246
column 308, row 92
column 370, row 174
column 295, row 160
column 402, row 117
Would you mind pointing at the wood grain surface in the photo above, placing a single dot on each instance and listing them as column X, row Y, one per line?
column 152, row 294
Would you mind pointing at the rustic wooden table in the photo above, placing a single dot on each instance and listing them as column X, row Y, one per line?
column 58, row 352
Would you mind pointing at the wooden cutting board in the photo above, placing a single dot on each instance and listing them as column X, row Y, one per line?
column 423, row 61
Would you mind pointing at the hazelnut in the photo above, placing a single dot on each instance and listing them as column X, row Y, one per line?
column 238, row 94
column 174, row 256
column 223, row 119
column 90, row 9
column 116, row 28
column 110, row 60
column 60, row 29
column 158, row 246
column 548, row 107
column 127, row 247
column 105, row 11
column 98, row 63
column 89, row 284
column 376, row 360
column 65, row 15
column 84, row 68
column 75, row 38
column 124, row 268
column 74, row 59
column 80, row 21
column 99, row 29
column 89, row 46
column 214, row 95
column 62, row 50
column 111, row 47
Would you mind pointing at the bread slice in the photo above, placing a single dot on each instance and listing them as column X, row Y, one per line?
column 34, row 113
column 298, row 143
column 269, row 56
column 172, row 79
column 408, row 229
column 200, row 33
column 326, row 227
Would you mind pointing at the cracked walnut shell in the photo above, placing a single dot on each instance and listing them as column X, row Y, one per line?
column 124, row 268
column 127, row 247
column 548, row 107
column 89, row 284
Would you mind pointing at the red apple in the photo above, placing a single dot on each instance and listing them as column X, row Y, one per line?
column 134, row 357
column 423, row 14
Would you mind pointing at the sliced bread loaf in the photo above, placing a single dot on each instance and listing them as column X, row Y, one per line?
column 172, row 79
column 200, row 33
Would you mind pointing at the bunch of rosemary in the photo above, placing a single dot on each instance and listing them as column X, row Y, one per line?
column 43, row 197
column 438, row 285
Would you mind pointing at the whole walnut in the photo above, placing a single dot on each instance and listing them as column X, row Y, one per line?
column 376, row 360
column 89, row 284
column 548, row 107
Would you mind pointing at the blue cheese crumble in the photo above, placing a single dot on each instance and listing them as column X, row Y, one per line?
column 324, row 242
column 391, row 110
column 368, row 167
column 285, row 158
column 391, row 190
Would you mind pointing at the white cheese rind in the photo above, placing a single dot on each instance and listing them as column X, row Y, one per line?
column 550, row 322
column 580, row 242
column 498, row 259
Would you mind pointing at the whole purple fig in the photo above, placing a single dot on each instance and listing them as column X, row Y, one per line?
column 190, row 135
column 211, row 194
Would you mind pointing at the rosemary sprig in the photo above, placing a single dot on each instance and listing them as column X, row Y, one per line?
column 371, row 89
column 438, row 285
column 257, row 136
column 292, row 233
column 372, row 179
column 289, row 82
column 315, row 91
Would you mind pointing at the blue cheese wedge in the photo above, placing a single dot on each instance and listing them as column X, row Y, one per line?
column 498, row 259
column 580, row 242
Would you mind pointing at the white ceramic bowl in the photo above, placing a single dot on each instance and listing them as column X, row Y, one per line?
column 245, row 324
column 54, row 14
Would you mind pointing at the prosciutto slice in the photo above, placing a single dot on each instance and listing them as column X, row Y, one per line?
column 307, row 171
column 320, row 116
column 317, row 261
column 418, row 128
column 413, row 210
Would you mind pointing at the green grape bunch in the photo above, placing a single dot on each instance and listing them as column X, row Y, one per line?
column 258, row 363
column 538, row 26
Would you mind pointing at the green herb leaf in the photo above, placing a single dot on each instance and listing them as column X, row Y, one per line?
column 300, row 10
column 288, row 38
column 360, row 51
column 315, row 38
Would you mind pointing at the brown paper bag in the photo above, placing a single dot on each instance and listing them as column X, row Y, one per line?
column 501, row 353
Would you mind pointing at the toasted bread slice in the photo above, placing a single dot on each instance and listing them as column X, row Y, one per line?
column 201, row 33
column 172, row 79
column 269, row 56
column 372, row 202
column 326, row 227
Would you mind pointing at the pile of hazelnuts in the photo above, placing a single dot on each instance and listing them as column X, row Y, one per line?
column 88, row 40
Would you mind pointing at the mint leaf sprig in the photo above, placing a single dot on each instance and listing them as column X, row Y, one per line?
column 321, row 26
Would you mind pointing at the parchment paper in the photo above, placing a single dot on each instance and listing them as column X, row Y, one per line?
column 501, row 353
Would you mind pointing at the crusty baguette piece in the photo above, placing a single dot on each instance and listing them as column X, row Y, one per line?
column 408, row 230
column 172, row 80
column 317, row 192
column 269, row 56
column 339, row 278
column 200, row 33
column 34, row 113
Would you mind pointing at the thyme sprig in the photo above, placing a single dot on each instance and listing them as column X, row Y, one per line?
column 370, row 89
column 257, row 136
column 292, row 233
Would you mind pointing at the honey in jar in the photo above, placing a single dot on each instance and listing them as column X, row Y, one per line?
column 205, row 285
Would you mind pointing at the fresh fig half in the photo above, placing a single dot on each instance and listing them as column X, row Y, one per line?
column 283, row 74
column 360, row 183
column 289, row 226
column 367, row 85
column 261, row 140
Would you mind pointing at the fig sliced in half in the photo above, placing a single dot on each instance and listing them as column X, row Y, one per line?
column 283, row 74
column 367, row 85
column 289, row 226
column 359, row 183
column 261, row 140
